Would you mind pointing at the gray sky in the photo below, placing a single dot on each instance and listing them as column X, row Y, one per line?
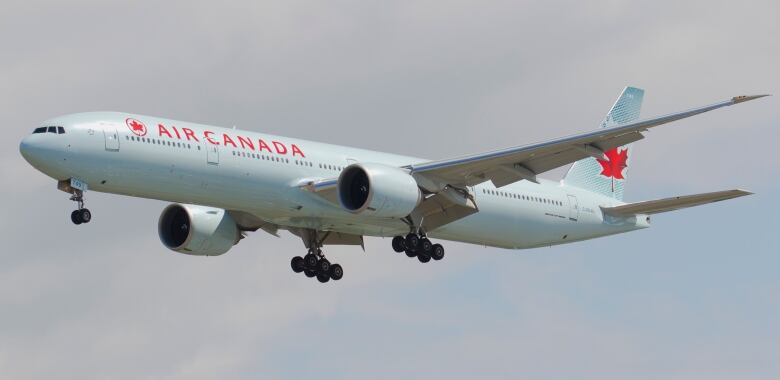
column 693, row 297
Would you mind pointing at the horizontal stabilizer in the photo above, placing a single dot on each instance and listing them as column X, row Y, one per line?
column 673, row 203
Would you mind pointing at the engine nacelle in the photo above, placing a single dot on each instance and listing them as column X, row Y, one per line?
column 197, row 230
column 378, row 190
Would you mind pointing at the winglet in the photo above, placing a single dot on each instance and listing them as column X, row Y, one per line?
column 746, row 98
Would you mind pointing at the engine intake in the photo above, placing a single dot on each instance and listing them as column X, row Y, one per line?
column 197, row 230
column 378, row 190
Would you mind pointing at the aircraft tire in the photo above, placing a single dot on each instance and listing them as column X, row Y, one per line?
column 74, row 217
column 399, row 244
column 297, row 264
column 412, row 241
column 310, row 261
column 437, row 253
column 323, row 266
column 336, row 272
column 85, row 215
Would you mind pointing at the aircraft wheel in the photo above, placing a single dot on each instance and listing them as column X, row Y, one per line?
column 323, row 277
column 336, row 272
column 399, row 244
column 412, row 241
column 411, row 253
column 426, row 246
column 323, row 266
column 309, row 273
column 437, row 252
column 85, row 215
column 310, row 261
column 75, row 217
column 424, row 257
column 297, row 264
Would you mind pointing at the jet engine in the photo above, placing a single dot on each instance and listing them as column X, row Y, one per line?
column 197, row 230
column 378, row 190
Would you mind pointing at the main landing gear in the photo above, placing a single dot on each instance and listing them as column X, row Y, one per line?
column 314, row 264
column 81, row 214
column 418, row 245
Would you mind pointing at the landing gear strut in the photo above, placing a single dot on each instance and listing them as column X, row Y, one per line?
column 314, row 264
column 418, row 245
column 81, row 214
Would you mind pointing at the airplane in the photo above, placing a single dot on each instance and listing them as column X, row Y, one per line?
column 226, row 182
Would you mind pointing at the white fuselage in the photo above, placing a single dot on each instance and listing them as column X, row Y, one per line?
column 261, row 174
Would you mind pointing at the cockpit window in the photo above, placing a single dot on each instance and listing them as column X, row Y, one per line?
column 50, row 129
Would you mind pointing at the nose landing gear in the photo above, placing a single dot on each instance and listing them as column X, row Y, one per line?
column 81, row 214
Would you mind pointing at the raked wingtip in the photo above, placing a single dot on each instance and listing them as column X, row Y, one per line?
column 746, row 98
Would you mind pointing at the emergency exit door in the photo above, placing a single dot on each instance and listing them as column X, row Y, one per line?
column 212, row 153
column 574, row 208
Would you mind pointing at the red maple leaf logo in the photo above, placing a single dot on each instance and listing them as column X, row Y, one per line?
column 613, row 166
column 136, row 127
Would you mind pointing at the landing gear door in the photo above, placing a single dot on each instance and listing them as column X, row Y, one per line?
column 212, row 154
column 112, row 137
column 574, row 208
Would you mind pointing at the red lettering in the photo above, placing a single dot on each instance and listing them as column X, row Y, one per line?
column 207, row 135
column 280, row 148
column 246, row 142
column 227, row 140
column 297, row 150
column 262, row 145
column 189, row 133
column 161, row 130
column 176, row 131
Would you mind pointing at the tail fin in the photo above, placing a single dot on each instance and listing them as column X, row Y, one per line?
column 607, row 175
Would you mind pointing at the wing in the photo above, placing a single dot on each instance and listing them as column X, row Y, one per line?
column 506, row 166
column 671, row 204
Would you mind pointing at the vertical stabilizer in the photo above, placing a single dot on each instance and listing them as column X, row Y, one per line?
column 607, row 175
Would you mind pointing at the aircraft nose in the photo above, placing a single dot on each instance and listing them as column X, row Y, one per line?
column 32, row 150
column 25, row 147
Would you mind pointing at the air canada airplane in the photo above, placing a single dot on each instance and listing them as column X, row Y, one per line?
column 225, row 182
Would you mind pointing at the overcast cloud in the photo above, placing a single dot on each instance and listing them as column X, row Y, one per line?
column 693, row 297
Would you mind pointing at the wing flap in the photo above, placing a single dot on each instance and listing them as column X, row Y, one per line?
column 673, row 203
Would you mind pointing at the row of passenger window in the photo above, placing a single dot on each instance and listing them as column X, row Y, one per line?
column 264, row 157
column 50, row 129
column 258, row 156
column 148, row 140
column 522, row 197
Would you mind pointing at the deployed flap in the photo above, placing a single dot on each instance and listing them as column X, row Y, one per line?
column 674, row 203
column 443, row 208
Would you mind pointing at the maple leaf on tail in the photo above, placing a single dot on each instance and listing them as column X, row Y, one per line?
column 613, row 166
